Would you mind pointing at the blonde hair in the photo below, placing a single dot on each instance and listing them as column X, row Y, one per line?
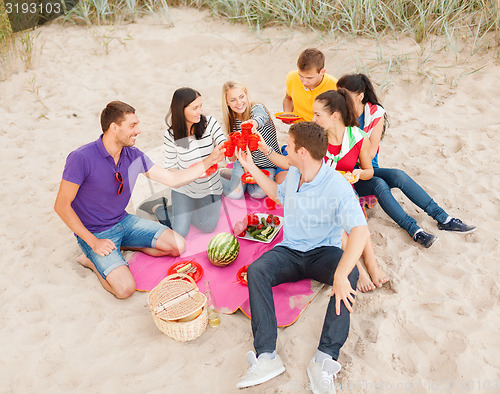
column 227, row 113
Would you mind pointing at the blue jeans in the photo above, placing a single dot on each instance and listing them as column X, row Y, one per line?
column 384, row 179
column 280, row 265
column 203, row 213
column 230, row 186
column 132, row 232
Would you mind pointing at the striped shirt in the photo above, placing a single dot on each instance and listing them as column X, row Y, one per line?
column 178, row 157
column 267, row 130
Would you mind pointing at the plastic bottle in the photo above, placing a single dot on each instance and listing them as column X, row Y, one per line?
column 213, row 312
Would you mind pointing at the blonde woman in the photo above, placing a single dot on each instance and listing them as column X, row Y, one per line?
column 237, row 108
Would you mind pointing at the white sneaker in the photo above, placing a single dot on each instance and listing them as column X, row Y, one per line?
column 261, row 370
column 322, row 376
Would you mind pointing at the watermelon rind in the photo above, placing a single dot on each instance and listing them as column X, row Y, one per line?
column 223, row 249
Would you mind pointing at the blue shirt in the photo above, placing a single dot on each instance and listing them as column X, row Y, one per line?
column 97, row 202
column 318, row 212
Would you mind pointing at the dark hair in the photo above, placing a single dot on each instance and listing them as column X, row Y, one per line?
column 360, row 83
column 339, row 101
column 115, row 112
column 176, row 120
column 311, row 58
column 310, row 136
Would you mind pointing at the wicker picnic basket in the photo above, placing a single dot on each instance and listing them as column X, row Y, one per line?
column 175, row 299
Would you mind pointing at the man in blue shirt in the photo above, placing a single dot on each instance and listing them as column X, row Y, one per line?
column 97, row 183
column 319, row 205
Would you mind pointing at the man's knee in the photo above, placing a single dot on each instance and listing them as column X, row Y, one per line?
column 171, row 243
column 121, row 282
column 125, row 290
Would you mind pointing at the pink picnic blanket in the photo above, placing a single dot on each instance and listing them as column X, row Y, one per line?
column 290, row 299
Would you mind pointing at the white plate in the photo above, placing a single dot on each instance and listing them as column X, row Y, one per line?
column 264, row 215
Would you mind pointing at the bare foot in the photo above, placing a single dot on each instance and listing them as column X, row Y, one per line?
column 83, row 260
column 379, row 277
column 364, row 282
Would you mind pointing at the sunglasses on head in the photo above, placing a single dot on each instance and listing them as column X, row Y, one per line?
column 119, row 179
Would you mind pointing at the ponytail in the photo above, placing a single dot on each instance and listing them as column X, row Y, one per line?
column 359, row 83
column 339, row 101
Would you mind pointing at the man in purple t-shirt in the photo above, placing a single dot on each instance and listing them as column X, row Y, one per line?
column 96, row 186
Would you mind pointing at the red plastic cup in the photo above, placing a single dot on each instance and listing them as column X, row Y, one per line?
column 235, row 136
column 241, row 143
column 253, row 142
column 230, row 147
column 245, row 133
column 270, row 203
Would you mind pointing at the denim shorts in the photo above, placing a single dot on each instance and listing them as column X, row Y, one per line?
column 130, row 232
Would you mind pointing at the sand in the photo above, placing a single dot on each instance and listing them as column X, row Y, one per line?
column 433, row 330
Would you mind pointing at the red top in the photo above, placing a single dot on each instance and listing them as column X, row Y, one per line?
column 348, row 162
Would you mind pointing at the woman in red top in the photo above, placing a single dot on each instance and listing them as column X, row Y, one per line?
column 334, row 111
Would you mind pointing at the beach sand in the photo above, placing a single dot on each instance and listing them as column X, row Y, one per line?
column 433, row 330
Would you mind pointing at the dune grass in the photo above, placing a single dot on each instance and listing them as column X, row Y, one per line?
column 475, row 20
column 371, row 18
column 92, row 12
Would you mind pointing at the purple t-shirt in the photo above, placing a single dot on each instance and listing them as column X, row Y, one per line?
column 97, row 203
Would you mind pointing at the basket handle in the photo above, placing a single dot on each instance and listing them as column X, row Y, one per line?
column 180, row 275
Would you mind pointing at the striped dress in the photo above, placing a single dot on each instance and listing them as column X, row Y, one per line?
column 267, row 130
column 178, row 157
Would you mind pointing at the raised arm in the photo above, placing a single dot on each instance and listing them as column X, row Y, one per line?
column 65, row 196
column 266, row 184
column 174, row 177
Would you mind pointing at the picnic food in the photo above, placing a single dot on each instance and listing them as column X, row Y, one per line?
column 248, row 178
column 189, row 268
column 349, row 176
column 263, row 229
column 241, row 275
column 223, row 249
column 287, row 117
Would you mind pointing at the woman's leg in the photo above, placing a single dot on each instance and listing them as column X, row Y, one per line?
column 400, row 179
column 234, row 188
column 207, row 213
column 375, row 277
column 378, row 187
column 182, row 210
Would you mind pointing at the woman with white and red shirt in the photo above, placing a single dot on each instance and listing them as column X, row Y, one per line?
column 372, row 119
column 334, row 111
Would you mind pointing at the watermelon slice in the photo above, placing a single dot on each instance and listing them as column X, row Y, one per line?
column 240, row 227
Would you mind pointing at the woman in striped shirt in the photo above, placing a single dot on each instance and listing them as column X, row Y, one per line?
column 237, row 109
column 190, row 138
